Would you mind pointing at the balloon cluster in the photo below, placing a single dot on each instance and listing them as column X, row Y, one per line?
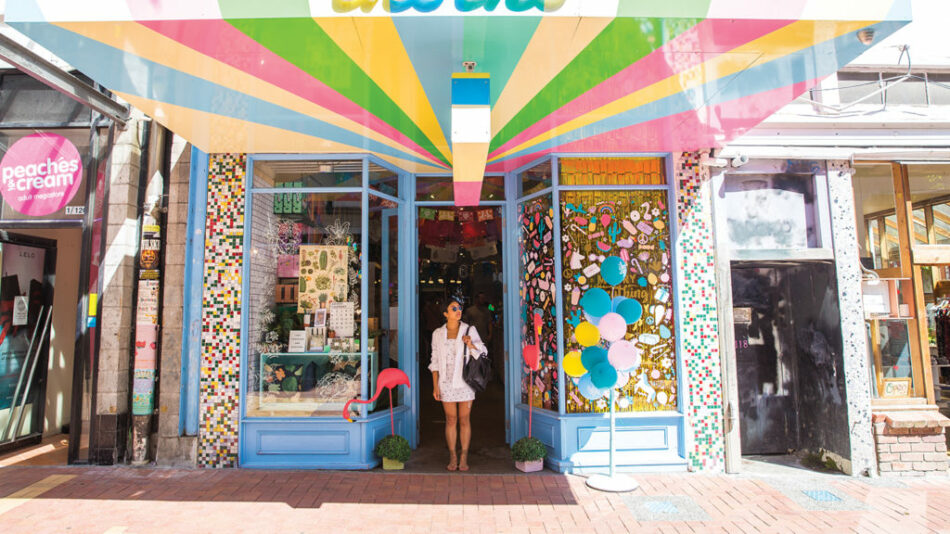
column 597, row 368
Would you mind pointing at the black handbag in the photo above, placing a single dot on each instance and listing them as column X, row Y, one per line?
column 476, row 372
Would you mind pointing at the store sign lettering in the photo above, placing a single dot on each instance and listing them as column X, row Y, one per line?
column 427, row 6
column 40, row 174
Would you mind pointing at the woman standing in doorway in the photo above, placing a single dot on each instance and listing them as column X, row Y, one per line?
column 448, row 346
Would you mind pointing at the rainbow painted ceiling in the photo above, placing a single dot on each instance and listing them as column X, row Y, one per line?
column 345, row 76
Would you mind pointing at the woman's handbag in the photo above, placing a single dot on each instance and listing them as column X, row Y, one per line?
column 476, row 371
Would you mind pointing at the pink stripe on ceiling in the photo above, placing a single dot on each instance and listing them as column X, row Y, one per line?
column 693, row 47
column 219, row 40
column 690, row 130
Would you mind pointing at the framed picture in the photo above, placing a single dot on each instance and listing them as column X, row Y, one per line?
column 320, row 317
column 896, row 388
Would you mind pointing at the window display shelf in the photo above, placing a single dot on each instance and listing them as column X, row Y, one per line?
column 315, row 382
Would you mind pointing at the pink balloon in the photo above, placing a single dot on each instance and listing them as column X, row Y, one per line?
column 624, row 355
column 612, row 326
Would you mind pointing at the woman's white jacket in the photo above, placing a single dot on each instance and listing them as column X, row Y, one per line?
column 439, row 357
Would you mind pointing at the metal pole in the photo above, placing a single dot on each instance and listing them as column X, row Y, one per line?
column 612, row 431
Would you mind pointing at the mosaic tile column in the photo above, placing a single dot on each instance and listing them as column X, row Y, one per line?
column 853, row 336
column 221, row 313
column 699, row 321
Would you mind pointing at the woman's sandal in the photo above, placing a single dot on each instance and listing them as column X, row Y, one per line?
column 453, row 463
column 463, row 461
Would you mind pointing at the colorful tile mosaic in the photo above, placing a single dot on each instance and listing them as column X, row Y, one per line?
column 699, row 327
column 536, row 287
column 219, row 388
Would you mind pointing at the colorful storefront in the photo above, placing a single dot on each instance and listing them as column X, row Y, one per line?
column 355, row 149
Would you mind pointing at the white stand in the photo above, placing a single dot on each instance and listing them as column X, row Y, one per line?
column 614, row 482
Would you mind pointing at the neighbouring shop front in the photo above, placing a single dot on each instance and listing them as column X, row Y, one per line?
column 326, row 232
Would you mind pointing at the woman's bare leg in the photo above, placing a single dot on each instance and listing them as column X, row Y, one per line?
column 465, row 432
column 451, row 432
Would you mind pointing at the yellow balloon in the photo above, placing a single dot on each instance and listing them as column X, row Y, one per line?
column 587, row 334
column 572, row 364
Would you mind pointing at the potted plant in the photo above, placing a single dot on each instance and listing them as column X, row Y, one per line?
column 394, row 450
column 529, row 454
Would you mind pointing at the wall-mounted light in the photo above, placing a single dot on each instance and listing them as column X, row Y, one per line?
column 866, row 36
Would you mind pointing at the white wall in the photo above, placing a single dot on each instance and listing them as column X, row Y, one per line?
column 926, row 36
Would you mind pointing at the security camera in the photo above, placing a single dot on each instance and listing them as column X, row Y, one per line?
column 740, row 160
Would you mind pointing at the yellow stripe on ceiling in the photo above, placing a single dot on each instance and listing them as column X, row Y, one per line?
column 137, row 39
column 792, row 38
column 214, row 133
column 555, row 43
column 470, row 161
column 373, row 43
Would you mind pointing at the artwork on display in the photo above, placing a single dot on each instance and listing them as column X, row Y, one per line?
column 604, row 232
column 341, row 320
column 536, row 287
column 323, row 276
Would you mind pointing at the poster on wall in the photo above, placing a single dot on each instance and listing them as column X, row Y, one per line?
column 323, row 277
column 22, row 276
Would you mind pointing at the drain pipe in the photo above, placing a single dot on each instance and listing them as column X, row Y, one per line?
column 147, row 291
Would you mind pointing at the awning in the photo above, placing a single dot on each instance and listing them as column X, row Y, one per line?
column 345, row 76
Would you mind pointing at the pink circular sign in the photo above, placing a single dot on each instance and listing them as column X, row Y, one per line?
column 40, row 174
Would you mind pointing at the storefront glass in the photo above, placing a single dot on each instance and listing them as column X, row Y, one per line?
column 536, row 289
column 875, row 207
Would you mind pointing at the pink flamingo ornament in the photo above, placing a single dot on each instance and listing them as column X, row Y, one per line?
column 532, row 358
column 387, row 378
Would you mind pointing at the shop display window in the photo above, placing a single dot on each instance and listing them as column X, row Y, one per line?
column 537, row 288
column 875, row 203
column 384, row 180
column 382, row 319
column 304, row 305
column 612, row 171
column 635, row 225
column 535, row 179
column 296, row 173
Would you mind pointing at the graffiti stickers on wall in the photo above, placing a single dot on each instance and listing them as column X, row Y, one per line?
column 633, row 225
column 536, row 286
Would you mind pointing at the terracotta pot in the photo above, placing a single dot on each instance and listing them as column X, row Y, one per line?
column 392, row 465
column 530, row 466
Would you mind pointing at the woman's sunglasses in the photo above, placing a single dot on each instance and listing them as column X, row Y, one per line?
column 455, row 308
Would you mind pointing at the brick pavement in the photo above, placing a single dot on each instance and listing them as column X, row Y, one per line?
column 123, row 499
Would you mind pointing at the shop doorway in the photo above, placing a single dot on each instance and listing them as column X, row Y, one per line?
column 36, row 347
column 460, row 255
column 791, row 380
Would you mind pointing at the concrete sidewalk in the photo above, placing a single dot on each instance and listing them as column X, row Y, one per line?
column 123, row 499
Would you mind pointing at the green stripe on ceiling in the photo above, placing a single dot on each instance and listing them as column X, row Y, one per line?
column 664, row 9
column 255, row 9
column 302, row 42
column 622, row 43
column 497, row 44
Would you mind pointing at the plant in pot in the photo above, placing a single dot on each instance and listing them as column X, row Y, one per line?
column 394, row 450
column 528, row 452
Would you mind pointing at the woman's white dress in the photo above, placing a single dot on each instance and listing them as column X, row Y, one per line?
column 462, row 392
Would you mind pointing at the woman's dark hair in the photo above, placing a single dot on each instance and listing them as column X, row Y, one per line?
column 445, row 302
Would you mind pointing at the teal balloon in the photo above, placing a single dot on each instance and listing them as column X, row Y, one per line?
column 591, row 319
column 588, row 390
column 593, row 356
column 596, row 302
column 631, row 310
column 613, row 270
column 616, row 302
column 603, row 376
